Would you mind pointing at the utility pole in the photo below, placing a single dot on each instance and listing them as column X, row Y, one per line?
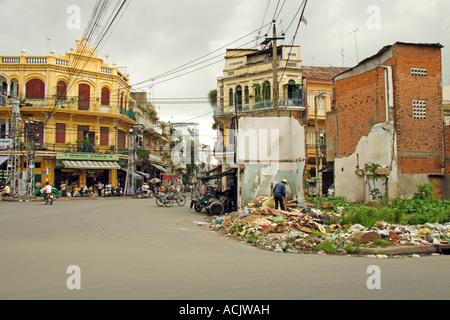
column 14, row 155
column 316, row 124
column 132, row 136
column 30, row 134
column 274, row 63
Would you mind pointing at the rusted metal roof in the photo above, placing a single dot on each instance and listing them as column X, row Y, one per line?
column 322, row 73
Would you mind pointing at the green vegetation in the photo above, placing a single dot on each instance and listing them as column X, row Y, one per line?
column 422, row 208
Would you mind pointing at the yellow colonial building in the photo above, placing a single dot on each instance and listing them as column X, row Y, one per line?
column 246, row 87
column 319, row 87
column 81, row 115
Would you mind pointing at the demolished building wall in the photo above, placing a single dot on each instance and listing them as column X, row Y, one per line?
column 270, row 149
column 376, row 119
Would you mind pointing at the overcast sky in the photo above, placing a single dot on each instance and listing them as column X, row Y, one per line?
column 155, row 36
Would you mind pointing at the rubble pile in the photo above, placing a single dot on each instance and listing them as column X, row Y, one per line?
column 308, row 230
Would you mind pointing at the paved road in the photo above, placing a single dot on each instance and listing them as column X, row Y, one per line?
column 132, row 249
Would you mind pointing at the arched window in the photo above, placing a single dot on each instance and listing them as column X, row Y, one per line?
column 35, row 89
column 239, row 98
column 231, row 98
column 84, row 96
column 266, row 91
column 257, row 87
column 105, row 96
column 61, row 90
column 246, row 95
column 121, row 100
column 294, row 93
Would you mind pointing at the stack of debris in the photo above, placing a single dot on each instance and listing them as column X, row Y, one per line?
column 305, row 229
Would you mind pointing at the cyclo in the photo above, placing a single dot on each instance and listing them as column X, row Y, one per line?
column 169, row 198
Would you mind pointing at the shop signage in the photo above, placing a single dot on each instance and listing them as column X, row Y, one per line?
column 5, row 144
column 87, row 156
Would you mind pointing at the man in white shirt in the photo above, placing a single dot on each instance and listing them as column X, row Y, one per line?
column 47, row 190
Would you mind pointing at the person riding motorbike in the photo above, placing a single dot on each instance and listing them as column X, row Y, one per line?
column 145, row 189
column 4, row 191
column 47, row 190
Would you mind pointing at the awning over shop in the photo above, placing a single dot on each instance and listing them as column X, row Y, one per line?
column 146, row 175
column 231, row 171
column 3, row 159
column 84, row 164
column 160, row 168
column 135, row 174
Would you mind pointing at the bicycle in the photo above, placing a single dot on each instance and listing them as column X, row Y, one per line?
column 164, row 200
column 179, row 198
column 169, row 198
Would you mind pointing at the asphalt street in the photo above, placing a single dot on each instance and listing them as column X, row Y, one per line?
column 132, row 249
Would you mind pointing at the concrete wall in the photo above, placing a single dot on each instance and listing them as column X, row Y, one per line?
column 270, row 149
column 350, row 182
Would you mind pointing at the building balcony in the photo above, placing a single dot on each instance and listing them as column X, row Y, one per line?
column 287, row 104
column 8, row 61
column 71, row 105
column 80, row 147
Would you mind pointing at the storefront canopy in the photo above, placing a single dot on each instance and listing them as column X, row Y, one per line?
column 3, row 159
column 84, row 164
column 160, row 168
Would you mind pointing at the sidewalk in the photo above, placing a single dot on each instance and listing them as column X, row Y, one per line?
column 94, row 197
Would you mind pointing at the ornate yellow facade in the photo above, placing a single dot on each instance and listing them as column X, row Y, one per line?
column 81, row 106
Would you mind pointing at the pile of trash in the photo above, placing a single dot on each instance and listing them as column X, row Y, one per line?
column 306, row 229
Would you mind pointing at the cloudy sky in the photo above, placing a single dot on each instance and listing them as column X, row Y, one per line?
column 153, row 37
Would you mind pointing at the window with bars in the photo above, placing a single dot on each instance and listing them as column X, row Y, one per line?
column 419, row 108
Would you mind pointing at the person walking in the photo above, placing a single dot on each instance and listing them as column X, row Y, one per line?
column 99, row 188
column 279, row 194
column 195, row 193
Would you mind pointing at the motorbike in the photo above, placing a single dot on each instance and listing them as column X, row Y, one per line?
column 117, row 192
column 83, row 193
column 141, row 194
column 209, row 202
column 10, row 197
column 48, row 199
column 212, row 206
column 107, row 191
column 214, row 203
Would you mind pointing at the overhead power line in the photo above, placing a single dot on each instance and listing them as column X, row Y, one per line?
column 189, row 64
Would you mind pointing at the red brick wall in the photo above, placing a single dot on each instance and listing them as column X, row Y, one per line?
column 418, row 135
column 447, row 150
column 360, row 103
column 419, row 140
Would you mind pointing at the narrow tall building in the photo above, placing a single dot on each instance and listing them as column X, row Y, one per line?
column 387, row 114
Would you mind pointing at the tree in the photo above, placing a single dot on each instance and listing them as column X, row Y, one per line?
column 212, row 97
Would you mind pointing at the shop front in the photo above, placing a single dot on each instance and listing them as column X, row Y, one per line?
column 87, row 169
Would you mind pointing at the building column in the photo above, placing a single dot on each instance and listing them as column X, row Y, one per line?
column 113, row 177
column 82, row 181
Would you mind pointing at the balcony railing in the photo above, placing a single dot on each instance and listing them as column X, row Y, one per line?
column 261, row 105
column 91, row 105
column 128, row 113
column 80, row 147
column 54, row 61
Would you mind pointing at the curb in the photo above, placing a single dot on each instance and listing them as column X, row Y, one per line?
column 405, row 250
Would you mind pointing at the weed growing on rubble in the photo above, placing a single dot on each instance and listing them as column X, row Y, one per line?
column 330, row 247
column 326, row 246
column 422, row 208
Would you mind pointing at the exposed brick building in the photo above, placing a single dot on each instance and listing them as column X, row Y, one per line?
column 388, row 110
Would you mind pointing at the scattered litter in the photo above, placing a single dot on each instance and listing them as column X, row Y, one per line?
column 301, row 228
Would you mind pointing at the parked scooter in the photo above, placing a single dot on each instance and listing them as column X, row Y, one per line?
column 117, row 192
column 141, row 194
column 214, row 203
column 83, row 193
column 107, row 191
